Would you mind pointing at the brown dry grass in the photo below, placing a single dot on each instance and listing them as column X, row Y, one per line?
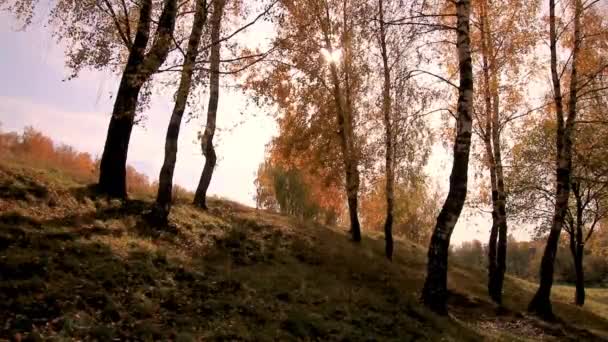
column 75, row 266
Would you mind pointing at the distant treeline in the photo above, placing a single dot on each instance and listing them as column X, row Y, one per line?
column 523, row 259
column 32, row 147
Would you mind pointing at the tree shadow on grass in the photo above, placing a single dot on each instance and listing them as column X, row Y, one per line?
column 60, row 284
column 88, row 223
column 55, row 281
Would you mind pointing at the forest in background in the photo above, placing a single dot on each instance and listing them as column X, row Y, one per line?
column 523, row 260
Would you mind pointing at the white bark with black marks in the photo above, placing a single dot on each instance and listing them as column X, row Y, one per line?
column 162, row 206
column 435, row 292
column 200, row 196
column 541, row 303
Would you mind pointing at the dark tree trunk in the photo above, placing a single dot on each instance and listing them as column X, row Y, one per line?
column 576, row 249
column 112, row 173
column 352, row 187
column 577, row 245
column 501, row 195
column 434, row 292
column 347, row 144
column 140, row 66
column 354, row 217
column 162, row 207
column 541, row 302
column 200, row 197
column 487, row 139
column 390, row 163
column 492, row 262
column 580, row 278
column 351, row 161
column 501, row 257
column 388, row 235
column 112, row 169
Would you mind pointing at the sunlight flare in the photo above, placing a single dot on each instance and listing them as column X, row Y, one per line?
column 331, row 56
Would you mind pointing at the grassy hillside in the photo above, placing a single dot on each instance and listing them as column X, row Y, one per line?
column 73, row 266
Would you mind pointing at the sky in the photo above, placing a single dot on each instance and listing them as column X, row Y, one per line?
column 33, row 92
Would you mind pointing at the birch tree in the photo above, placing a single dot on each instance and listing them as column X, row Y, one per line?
column 141, row 65
column 434, row 292
column 505, row 37
column 404, row 103
column 162, row 206
column 319, row 77
column 200, row 195
column 388, row 126
column 541, row 303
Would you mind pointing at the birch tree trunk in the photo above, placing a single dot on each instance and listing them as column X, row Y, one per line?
column 487, row 139
column 162, row 207
column 344, row 120
column 140, row 67
column 580, row 274
column 501, row 195
column 577, row 246
column 541, row 302
column 200, row 196
column 390, row 163
column 352, row 160
column 350, row 164
column 434, row 292
column 497, row 254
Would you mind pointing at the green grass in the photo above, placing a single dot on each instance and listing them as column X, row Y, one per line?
column 74, row 266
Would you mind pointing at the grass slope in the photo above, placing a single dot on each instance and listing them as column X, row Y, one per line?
column 76, row 267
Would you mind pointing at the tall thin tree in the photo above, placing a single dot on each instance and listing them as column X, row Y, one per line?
column 162, row 206
column 200, row 197
column 497, row 245
column 434, row 292
column 344, row 113
column 487, row 139
column 501, row 257
column 388, row 126
column 541, row 303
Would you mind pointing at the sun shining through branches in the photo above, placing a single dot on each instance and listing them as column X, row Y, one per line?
column 332, row 56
